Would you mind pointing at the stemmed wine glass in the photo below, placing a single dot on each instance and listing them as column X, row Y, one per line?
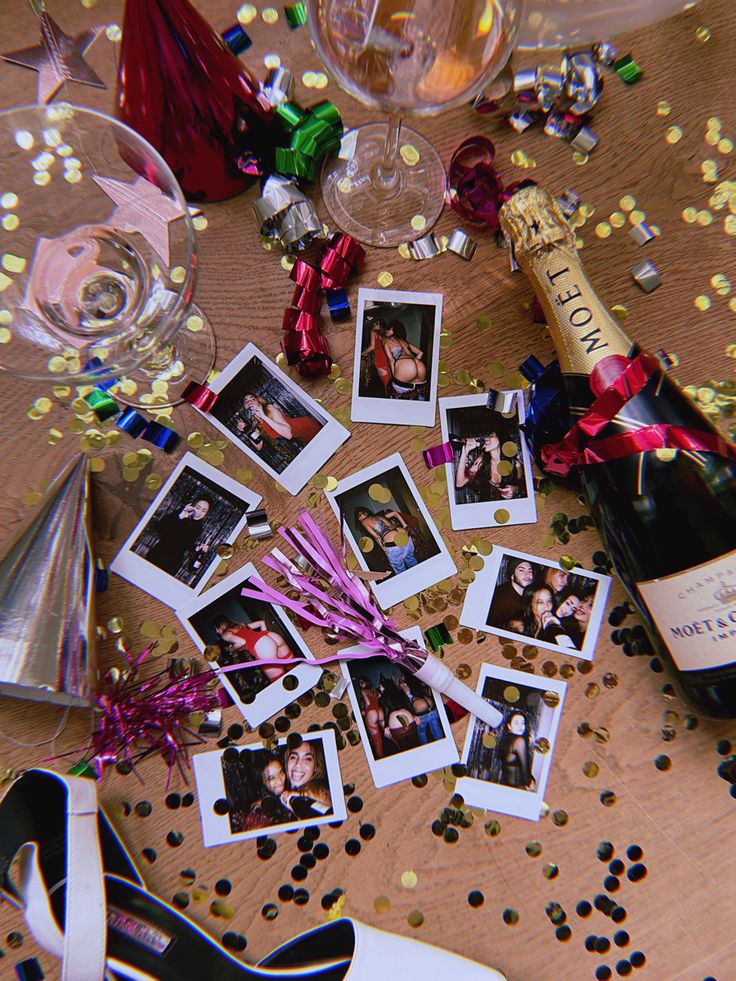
column 99, row 259
column 416, row 57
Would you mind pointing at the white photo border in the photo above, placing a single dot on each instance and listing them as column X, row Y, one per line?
column 211, row 787
column 522, row 510
column 404, row 584
column 412, row 762
column 496, row 797
column 319, row 450
column 275, row 697
column 395, row 411
column 144, row 574
column 480, row 594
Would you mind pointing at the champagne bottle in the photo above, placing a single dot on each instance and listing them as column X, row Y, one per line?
column 667, row 517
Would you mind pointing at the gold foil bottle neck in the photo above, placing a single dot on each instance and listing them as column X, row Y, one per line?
column 532, row 221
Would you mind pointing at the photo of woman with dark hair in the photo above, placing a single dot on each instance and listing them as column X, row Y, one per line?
column 374, row 363
column 272, row 423
column 373, row 714
column 538, row 619
column 406, row 364
column 307, row 792
column 515, row 752
column 388, row 529
column 479, row 470
column 179, row 533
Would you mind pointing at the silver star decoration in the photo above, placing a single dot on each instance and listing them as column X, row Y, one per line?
column 58, row 58
column 142, row 207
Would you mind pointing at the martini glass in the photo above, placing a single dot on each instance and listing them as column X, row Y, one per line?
column 99, row 259
column 415, row 57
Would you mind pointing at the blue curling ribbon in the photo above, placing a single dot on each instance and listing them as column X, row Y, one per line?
column 95, row 364
column 162, row 437
column 132, row 423
column 547, row 415
column 337, row 301
column 236, row 39
column 102, row 577
column 29, row 970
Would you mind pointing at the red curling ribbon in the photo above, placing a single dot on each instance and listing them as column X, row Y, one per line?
column 200, row 396
column 305, row 275
column 308, row 350
column 350, row 250
column 299, row 321
column 306, row 300
column 435, row 456
column 576, row 448
column 477, row 186
column 335, row 270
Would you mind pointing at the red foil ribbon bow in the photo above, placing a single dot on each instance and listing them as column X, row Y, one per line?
column 476, row 189
column 577, row 447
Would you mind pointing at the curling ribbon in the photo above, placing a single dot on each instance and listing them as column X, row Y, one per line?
column 200, row 396
column 576, row 449
column 313, row 133
column 132, row 423
column 337, row 304
column 161, row 436
column 435, row 456
column 476, row 189
column 102, row 404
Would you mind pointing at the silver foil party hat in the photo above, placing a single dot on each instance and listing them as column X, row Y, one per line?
column 47, row 620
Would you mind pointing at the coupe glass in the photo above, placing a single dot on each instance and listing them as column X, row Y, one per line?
column 99, row 259
column 403, row 57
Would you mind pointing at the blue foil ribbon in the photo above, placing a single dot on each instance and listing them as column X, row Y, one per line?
column 547, row 414
column 161, row 436
column 95, row 364
column 236, row 39
column 29, row 970
column 132, row 423
column 338, row 304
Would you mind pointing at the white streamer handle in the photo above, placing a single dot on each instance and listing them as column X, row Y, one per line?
column 439, row 677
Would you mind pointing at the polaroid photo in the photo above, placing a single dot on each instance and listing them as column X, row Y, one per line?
column 397, row 355
column 535, row 601
column 272, row 420
column 491, row 469
column 508, row 767
column 230, row 629
column 390, row 530
column 172, row 551
column 247, row 791
column 403, row 724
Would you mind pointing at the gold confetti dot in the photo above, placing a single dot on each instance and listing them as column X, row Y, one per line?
column 381, row 904
column 591, row 769
column 270, row 15
column 721, row 284
column 343, row 386
column 9, row 200
column 725, row 146
column 153, row 481
column 385, row 279
column 702, row 302
column 377, row 492
column 511, row 694
column 247, row 13
column 603, row 229
column 542, row 745
column 636, row 217
column 627, row 203
column 690, row 215
column 729, row 224
column 501, row 516
column 703, row 34
column 309, row 79
column 419, row 223
column 272, row 61
column 403, row 251
column 617, row 219
column 665, row 455
column 673, row 134
column 409, row 879
column 10, row 222
column 415, row 918
column 704, row 218
column 321, row 81
column 178, row 274
column 409, row 154
column 663, row 108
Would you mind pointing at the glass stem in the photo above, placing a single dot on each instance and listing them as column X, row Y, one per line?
column 387, row 173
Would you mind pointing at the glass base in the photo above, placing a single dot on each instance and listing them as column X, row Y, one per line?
column 361, row 206
column 159, row 383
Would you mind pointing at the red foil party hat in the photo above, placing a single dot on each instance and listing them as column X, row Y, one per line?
column 185, row 92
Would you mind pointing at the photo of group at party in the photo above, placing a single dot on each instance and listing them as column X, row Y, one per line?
column 507, row 755
column 542, row 602
column 487, row 464
column 398, row 710
column 266, row 416
column 396, row 349
column 235, row 629
column 184, row 532
column 385, row 520
column 266, row 788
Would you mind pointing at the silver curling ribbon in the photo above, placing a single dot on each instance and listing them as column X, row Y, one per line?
column 47, row 614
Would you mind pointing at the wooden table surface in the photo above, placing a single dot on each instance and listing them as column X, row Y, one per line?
column 682, row 818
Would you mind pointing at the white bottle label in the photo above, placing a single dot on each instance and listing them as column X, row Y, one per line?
column 695, row 612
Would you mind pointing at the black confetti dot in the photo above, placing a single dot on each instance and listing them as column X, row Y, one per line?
column 282, row 724
column 173, row 801
column 124, row 768
column 616, row 867
column 294, row 740
column 15, row 940
column 174, row 838
column 450, row 835
column 638, row 959
column 224, row 742
column 621, row 938
column 188, row 875
column 301, row 897
column 223, row 887
column 611, row 883
column 618, row 914
column 308, row 861
column 266, row 731
column 293, row 711
column 510, row 916
column 355, row 805
column 231, row 755
column 335, row 824
column 221, row 806
column 476, row 898
column 563, row 932
column 348, row 789
column 656, row 665
column 270, row 911
column 234, row 941
column 723, row 747
column 590, row 942
column 623, row 968
column 321, row 850
column 181, row 900
column 187, row 801
column 367, row 832
column 286, row 893
column 459, row 770
column 583, row 908
column 603, row 973
column 126, row 808
column 330, row 898
column 298, row 873
column 352, row 846
column 266, row 849
column 421, row 780
column 438, row 828
column 602, row 945
column 143, row 808
column 304, row 844
column 312, row 832
column 663, row 762
column 235, row 731
column 149, row 854
column 290, row 683
column 604, row 903
column 556, row 913
column 637, row 872
column 605, row 851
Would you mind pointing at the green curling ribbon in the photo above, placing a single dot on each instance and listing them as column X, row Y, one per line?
column 295, row 164
column 328, row 112
column 628, row 70
column 296, row 15
column 102, row 404
column 290, row 115
column 438, row 636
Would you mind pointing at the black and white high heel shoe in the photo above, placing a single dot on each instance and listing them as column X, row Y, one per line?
column 84, row 901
